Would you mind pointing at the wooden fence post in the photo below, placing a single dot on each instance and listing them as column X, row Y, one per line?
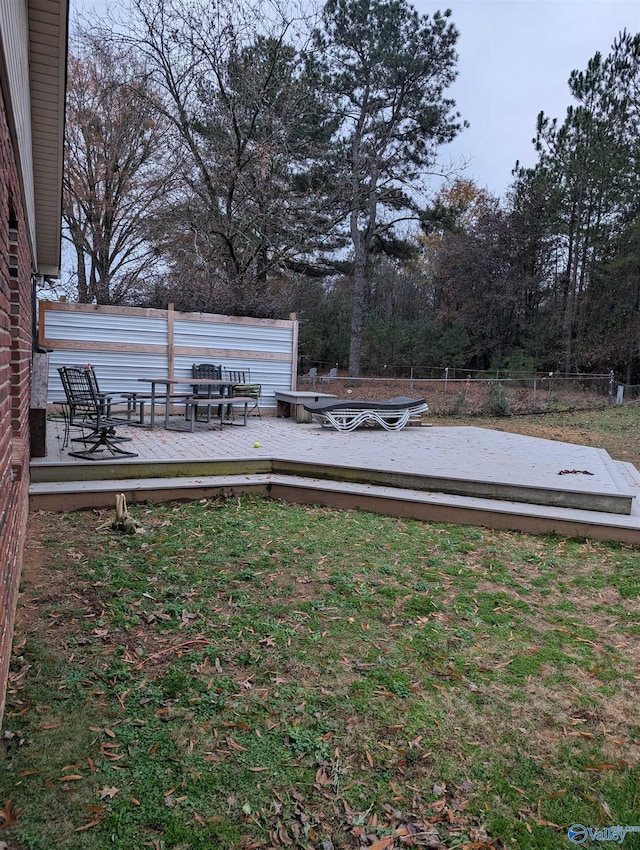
column 170, row 349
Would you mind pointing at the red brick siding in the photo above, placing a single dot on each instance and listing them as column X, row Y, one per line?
column 15, row 370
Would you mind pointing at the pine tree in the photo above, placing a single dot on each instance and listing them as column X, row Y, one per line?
column 388, row 68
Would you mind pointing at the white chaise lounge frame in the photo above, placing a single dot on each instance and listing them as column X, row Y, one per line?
column 347, row 415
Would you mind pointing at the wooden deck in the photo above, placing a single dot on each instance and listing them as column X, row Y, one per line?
column 452, row 474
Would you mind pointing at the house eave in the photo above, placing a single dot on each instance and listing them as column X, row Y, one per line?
column 33, row 59
column 48, row 25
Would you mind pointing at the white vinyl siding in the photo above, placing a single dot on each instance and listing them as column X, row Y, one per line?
column 14, row 38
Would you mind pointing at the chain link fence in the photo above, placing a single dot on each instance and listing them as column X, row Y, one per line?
column 627, row 393
column 456, row 393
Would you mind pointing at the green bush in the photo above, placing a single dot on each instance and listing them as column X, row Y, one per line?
column 497, row 400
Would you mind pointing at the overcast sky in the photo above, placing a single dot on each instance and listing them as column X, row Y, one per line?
column 515, row 57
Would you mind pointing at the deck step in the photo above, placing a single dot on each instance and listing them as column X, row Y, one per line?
column 396, row 501
column 563, row 493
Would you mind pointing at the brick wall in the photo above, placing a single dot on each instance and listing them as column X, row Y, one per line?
column 15, row 369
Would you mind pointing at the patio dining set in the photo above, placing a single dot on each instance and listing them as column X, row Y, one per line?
column 210, row 391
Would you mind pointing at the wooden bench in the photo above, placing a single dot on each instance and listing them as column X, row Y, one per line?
column 137, row 400
column 293, row 401
column 226, row 405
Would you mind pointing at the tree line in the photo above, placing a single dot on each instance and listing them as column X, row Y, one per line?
column 261, row 160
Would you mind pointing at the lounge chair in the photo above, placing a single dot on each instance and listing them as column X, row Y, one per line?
column 347, row 415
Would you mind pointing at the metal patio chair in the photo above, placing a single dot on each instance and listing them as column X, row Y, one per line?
column 76, row 410
column 245, row 387
column 204, row 370
column 88, row 411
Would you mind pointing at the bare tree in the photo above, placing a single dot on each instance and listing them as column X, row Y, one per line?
column 248, row 130
column 113, row 177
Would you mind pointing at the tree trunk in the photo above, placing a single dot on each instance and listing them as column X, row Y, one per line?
column 357, row 308
column 632, row 337
column 83, row 289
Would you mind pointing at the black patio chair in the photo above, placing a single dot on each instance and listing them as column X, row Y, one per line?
column 200, row 371
column 88, row 411
column 79, row 411
column 205, row 370
column 242, row 386
column 104, row 398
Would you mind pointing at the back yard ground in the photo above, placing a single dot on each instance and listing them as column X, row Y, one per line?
column 251, row 674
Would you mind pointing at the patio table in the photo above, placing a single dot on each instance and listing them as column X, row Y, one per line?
column 225, row 389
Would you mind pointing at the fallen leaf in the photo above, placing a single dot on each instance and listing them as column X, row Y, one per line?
column 108, row 792
column 8, row 814
column 89, row 825
column 604, row 766
column 284, row 837
column 606, row 809
column 383, row 843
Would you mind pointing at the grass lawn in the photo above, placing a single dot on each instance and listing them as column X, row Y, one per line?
column 249, row 674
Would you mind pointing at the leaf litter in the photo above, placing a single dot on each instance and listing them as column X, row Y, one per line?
column 376, row 712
